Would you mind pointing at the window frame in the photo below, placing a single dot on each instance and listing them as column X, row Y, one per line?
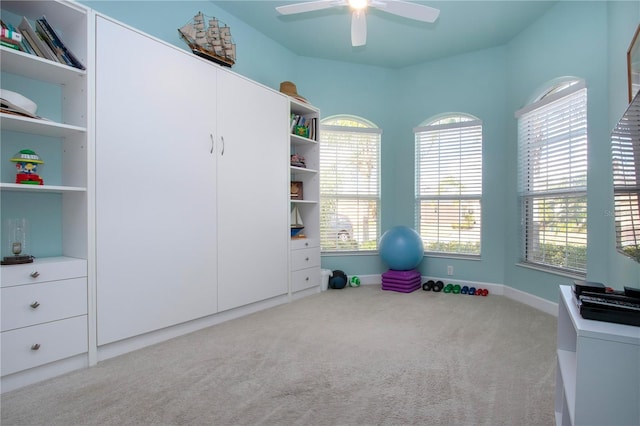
column 356, row 197
column 467, row 128
column 552, row 201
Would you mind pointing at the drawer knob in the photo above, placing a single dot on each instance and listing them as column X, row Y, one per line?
column 306, row 279
column 306, row 244
column 35, row 304
column 307, row 259
column 35, row 346
column 35, row 274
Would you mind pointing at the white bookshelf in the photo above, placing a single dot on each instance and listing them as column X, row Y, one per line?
column 305, row 252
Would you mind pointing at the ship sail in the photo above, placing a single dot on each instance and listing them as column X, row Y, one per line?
column 296, row 223
column 296, row 219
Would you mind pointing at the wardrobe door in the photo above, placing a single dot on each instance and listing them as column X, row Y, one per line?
column 155, row 184
column 253, row 192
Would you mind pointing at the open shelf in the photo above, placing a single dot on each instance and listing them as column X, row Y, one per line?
column 40, row 188
column 35, row 126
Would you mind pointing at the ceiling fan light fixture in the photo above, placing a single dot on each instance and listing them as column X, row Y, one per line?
column 358, row 4
column 358, row 8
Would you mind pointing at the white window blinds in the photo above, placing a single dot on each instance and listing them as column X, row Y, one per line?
column 449, row 184
column 552, row 178
column 625, row 146
column 349, row 185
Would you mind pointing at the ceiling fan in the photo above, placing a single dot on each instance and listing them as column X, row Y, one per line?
column 358, row 22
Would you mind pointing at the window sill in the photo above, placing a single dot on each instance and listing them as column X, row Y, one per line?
column 350, row 253
column 567, row 274
column 453, row 256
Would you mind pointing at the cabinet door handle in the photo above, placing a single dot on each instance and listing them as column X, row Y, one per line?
column 212, row 142
column 35, row 274
column 35, row 304
column 35, row 346
column 222, row 139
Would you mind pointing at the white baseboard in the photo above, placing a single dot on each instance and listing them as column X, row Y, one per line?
column 138, row 342
column 43, row 372
column 528, row 299
column 304, row 293
column 537, row 302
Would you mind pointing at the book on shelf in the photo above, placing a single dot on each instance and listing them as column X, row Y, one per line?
column 40, row 47
column 50, row 36
column 12, row 33
column 312, row 128
column 9, row 37
column 27, row 47
column 44, row 37
column 34, row 46
column 9, row 44
column 303, row 126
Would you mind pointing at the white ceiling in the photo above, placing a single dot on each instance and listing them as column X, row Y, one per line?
column 392, row 42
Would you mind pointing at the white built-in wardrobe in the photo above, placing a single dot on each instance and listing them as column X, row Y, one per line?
column 191, row 187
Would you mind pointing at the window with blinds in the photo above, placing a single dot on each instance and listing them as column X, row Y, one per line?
column 625, row 147
column 449, row 184
column 552, row 178
column 349, row 184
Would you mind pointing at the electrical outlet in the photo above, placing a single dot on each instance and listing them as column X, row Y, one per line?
column 449, row 270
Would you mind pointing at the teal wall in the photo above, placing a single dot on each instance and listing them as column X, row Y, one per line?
column 585, row 39
column 259, row 58
column 593, row 47
column 537, row 56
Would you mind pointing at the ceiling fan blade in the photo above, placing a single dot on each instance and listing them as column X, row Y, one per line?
column 290, row 9
column 406, row 9
column 358, row 28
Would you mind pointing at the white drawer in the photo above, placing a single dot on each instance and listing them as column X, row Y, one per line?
column 305, row 278
column 32, row 304
column 40, row 344
column 307, row 258
column 41, row 270
column 302, row 243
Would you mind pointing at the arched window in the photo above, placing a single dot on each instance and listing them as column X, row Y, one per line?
column 552, row 177
column 349, row 184
column 448, row 201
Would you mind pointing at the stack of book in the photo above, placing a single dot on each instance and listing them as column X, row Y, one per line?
column 43, row 41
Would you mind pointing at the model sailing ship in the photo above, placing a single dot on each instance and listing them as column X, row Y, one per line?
column 210, row 40
column 296, row 223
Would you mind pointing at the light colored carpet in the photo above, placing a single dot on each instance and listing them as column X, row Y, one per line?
column 358, row 356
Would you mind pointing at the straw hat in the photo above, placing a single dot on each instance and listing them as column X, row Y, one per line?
column 18, row 103
column 288, row 88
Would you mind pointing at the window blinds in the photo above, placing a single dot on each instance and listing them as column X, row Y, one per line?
column 349, row 188
column 625, row 146
column 552, row 179
column 449, row 186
